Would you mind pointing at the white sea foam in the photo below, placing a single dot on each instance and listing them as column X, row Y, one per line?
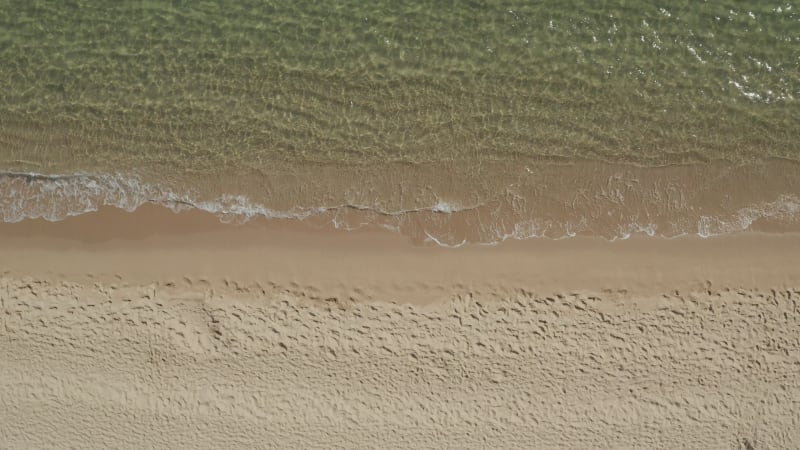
column 785, row 207
column 625, row 231
column 56, row 197
column 441, row 243
column 445, row 207
column 53, row 198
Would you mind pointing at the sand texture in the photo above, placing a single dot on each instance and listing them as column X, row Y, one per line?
column 113, row 366
column 172, row 331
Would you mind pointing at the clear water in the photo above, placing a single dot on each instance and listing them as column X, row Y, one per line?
column 224, row 98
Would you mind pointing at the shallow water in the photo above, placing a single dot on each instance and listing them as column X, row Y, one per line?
column 273, row 103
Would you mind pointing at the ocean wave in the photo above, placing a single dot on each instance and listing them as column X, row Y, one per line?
column 786, row 207
column 29, row 195
column 57, row 197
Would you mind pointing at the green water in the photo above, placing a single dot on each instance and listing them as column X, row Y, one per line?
column 196, row 85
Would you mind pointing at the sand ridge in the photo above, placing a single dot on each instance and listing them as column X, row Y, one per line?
column 115, row 365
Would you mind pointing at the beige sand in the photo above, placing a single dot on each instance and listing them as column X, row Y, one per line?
column 154, row 329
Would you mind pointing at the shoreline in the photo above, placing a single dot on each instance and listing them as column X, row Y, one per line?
column 449, row 203
column 399, row 225
column 217, row 335
column 154, row 245
column 211, row 335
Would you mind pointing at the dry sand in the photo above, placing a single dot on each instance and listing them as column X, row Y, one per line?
column 154, row 329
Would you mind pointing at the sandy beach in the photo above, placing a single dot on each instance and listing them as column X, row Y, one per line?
column 152, row 328
column 391, row 224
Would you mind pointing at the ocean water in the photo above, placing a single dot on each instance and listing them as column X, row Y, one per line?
column 450, row 122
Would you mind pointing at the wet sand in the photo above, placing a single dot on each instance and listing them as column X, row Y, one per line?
column 160, row 329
